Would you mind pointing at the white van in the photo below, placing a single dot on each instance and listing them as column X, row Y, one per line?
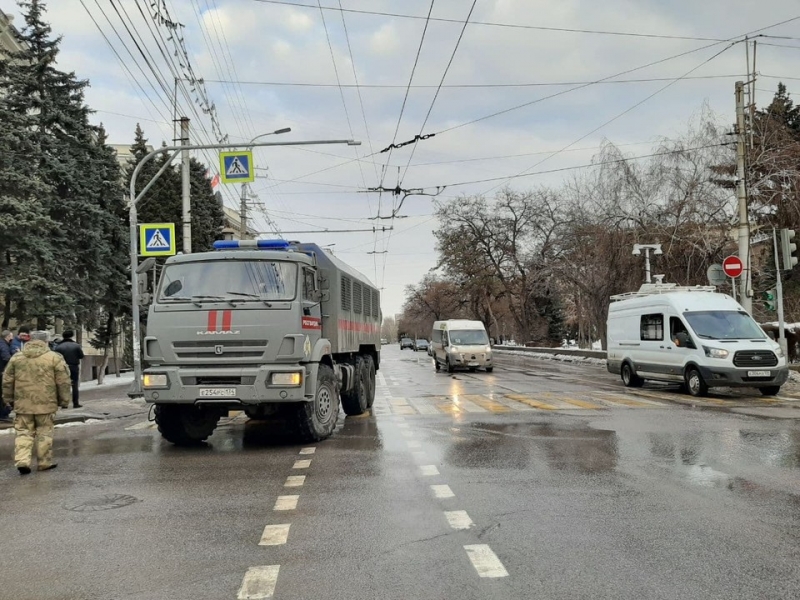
column 459, row 343
column 694, row 336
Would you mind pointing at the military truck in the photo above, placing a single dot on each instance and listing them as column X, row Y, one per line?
column 277, row 329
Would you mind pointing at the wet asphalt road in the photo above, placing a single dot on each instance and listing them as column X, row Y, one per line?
column 541, row 480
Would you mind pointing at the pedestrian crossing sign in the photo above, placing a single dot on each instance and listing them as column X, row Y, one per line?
column 236, row 167
column 157, row 239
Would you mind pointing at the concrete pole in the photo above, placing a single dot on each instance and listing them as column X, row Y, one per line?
column 243, row 213
column 745, row 295
column 186, row 188
column 779, row 293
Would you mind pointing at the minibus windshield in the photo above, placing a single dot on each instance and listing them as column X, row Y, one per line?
column 469, row 337
column 724, row 325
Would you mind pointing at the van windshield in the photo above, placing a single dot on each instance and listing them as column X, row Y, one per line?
column 240, row 280
column 724, row 325
column 469, row 337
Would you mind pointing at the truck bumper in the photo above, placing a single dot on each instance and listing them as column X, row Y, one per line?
column 734, row 377
column 234, row 386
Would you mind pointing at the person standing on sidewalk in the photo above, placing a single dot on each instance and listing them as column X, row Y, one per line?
column 73, row 354
column 36, row 383
column 5, row 356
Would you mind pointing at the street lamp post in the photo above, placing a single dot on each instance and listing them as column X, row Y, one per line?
column 637, row 251
column 243, row 202
column 136, row 390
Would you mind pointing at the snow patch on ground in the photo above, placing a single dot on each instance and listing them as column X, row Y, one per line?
column 74, row 423
column 570, row 358
column 109, row 382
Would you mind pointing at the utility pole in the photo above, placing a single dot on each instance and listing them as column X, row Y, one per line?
column 745, row 295
column 185, row 187
column 243, row 214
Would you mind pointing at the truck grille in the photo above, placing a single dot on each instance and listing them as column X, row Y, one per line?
column 755, row 358
column 223, row 348
column 219, row 380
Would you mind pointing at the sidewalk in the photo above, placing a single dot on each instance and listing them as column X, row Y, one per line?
column 107, row 401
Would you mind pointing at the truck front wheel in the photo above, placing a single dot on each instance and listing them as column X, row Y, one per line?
column 185, row 425
column 356, row 400
column 316, row 420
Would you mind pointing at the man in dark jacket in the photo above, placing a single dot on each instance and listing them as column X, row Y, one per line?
column 72, row 353
column 19, row 341
column 5, row 355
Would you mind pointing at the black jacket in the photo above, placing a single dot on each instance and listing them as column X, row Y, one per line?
column 71, row 351
column 5, row 354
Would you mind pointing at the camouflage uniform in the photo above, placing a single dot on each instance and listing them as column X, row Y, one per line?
column 36, row 382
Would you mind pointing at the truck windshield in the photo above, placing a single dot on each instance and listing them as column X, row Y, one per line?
column 469, row 337
column 724, row 325
column 240, row 280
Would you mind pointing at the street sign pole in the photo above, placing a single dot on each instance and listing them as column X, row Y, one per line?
column 136, row 390
column 779, row 291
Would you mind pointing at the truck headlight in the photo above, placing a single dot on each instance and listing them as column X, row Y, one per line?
column 286, row 379
column 152, row 380
column 715, row 352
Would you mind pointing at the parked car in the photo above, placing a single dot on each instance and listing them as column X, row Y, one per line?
column 421, row 345
column 406, row 343
column 384, row 341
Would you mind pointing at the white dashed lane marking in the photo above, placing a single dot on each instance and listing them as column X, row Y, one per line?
column 442, row 491
column 259, row 583
column 275, row 535
column 485, row 561
column 429, row 470
column 420, row 456
column 295, row 481
column 308, row 451
column 458, row 519
column 302, row 464
column 286, row 503
column 414, row 444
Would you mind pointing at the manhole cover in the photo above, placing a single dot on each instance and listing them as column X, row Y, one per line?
column 107, row 502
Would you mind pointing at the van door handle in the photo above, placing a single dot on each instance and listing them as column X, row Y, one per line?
column 666, row 347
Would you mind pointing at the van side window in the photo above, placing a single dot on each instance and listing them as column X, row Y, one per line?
column 652, row 328
column 436, row 336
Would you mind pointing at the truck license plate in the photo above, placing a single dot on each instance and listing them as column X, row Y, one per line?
column 759, row 374
column 218, row 392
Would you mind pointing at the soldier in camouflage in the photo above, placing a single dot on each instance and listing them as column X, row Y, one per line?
column 36, row 383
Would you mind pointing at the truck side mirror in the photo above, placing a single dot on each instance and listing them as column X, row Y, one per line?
column 324, row 279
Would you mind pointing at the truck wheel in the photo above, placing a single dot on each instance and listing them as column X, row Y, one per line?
column 771, row 390
column 371, row 378
column 185, row 425
column 695, row 384
column 629, row 378
column 316, row 420
column 355, row 401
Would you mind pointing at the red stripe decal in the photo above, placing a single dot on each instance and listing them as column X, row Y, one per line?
column 358, row 326
column 227, row 317
column 212, row 320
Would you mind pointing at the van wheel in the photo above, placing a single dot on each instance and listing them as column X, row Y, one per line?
column 629, row 378
column 770, row 391
column 489, row 369
column 450, row 367
column 436, row 365
column 695, row 384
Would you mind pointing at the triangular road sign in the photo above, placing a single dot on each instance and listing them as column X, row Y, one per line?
column 157, row 241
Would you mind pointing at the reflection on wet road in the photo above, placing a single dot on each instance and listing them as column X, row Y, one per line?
column 539, row 480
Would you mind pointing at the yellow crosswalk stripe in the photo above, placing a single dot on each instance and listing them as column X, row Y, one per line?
column 628, row 402
column 582, row 403
column 530, row 401
column 486, row 403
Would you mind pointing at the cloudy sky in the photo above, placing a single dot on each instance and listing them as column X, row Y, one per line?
column 268, row 65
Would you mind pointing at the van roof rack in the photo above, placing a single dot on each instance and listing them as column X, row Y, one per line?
column 650, row 289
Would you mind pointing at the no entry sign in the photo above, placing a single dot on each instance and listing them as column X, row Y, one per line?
column 732, row 266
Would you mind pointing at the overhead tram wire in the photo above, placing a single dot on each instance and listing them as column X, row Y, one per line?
column 381, row 86
column 129, row 75
column 439, row 88
column 505, row 25
column 620, row 115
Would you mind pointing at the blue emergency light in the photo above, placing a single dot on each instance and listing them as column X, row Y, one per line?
column 259, row 244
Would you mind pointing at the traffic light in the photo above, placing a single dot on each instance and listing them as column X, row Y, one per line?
column 770, row 297
column 788, row 249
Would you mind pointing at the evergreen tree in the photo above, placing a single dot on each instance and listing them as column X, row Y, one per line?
column 63, row 154
column 207, row 214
